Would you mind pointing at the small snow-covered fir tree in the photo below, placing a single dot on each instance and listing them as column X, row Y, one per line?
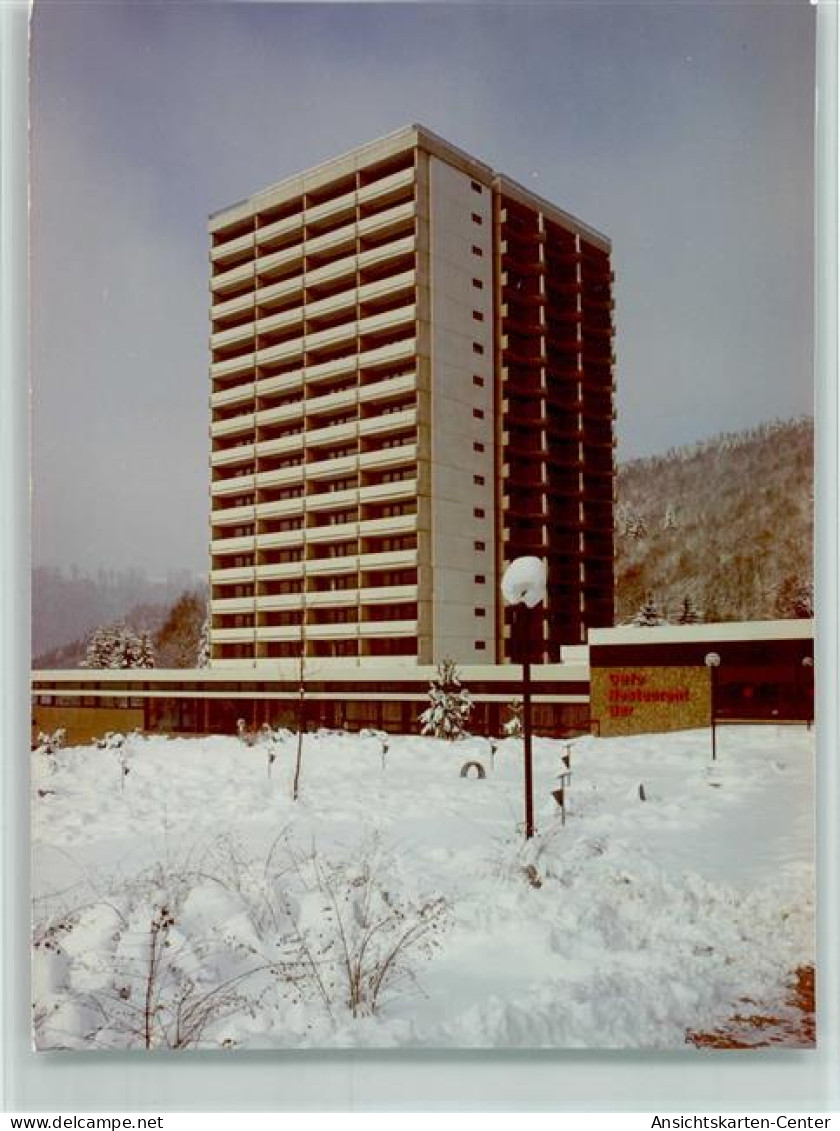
column 100, row 648
column 450, row 704
column 144, row 651
column 512, row 726
column 202, row 660
column 688, row 612
column 649, row 615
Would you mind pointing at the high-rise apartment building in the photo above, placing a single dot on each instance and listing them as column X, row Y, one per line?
column 412, row 383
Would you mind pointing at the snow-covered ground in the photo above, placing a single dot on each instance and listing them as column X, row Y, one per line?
column 192, row 903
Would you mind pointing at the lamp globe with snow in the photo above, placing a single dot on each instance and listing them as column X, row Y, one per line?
column 712, row 662
column 524, row 588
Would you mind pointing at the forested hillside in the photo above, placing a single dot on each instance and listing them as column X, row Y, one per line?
column 726, row 524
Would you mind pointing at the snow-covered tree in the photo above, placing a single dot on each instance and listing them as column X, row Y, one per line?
column 688, row 613
column 669, row 521
column 512, row 726
column 450, row 704
column 202, row 660
column 119, row 646
column 649, row 615
column 794, row 598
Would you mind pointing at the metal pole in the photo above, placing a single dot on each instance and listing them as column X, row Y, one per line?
column 714, row 714
column 525, row 642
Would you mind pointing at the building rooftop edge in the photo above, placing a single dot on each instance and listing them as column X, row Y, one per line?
column 416, row 133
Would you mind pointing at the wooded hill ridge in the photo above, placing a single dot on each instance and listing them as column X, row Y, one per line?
column 726, row 523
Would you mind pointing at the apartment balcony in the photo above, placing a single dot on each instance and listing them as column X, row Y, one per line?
column 233, row 635
column 232, row 306
column 332, row 402
column 326, row 370
column 277, row 571
column 393, row 524
column 235, row 395
column 390, row 218
column 388, row 354
column 230, row 368
column 346, row 332
column 343, row 237
column 285, row 351
column 279, row 602
column 230, row 249
column 236, row 335
column 387, row 628
column 281, row 321
column 387, row 594
column 232, row 605
column 345, row 300
column 280, row 229
column 391, row 388
column 234, row 425
column 337, row 631
column 386, row 492
column 332, row 599
column 278, row 632
column 237, row 545
column 388, row 251
column 388, row 559
column 334, row 207
column 332, row 532
column 279, row 508
column 278, row 262
column 368, row 193
column 229, row 280
column 326, row 567
column 280, row 539
column 332, row 272
column 386, row 458
column 339, row 468
column 236, row 485
column 229, row 457
column 278, row 384
column 332, row 500
column 388, row 320
column 283, row 445
column 232, row 574
column 277, row 292
column 280, row 477
column 235, row 516
column 388, row 422
column 381, row 288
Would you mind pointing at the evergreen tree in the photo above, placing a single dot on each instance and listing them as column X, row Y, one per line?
column 649, row 615
column 688, row 613
column 450, row 705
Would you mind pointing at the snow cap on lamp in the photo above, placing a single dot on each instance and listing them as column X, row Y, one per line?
column 524, row 582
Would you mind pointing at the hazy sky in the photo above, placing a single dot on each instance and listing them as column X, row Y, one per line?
column 683, row 131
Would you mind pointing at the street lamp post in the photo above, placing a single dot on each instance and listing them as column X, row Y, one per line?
column 808, row 666
column 713, row 663
column 523, row 586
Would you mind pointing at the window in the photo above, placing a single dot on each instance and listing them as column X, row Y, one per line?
column 480, row 579
column 476, row 250
column 478, row 284
column 479, row 546
column 479, row 349
column 478, row 512
column 480, row 646
column 475, row 186
column 480, row 612
column 478, row 381
column 478, row 480
column 478, row 446
column 477, row 316
column 476, row 218
column 478, row 413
